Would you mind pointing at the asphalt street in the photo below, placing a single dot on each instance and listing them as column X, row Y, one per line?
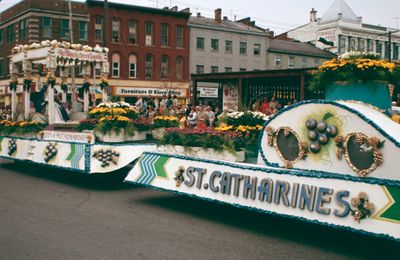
column 53, row 214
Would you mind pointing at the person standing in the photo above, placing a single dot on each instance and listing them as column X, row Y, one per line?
column 265, row 106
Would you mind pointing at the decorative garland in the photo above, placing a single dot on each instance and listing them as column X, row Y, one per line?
column 13, row 85
column 86, row 86
column 64, row 87
column 103, row 83
column 27, row 85
column 51, row 79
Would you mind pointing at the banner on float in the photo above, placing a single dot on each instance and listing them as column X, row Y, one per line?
column 68, row 136
column 364, row 207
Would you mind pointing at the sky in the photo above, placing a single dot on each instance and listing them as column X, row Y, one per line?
column 277, row 15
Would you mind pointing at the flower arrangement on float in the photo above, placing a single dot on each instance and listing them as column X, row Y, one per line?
column 206, row 138
column 56, row 44
column 160, row 123
column 103, row 82
column 24, row 128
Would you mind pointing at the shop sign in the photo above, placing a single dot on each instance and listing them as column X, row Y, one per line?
column 208, row 92
column 230, row 97
column 149, row 92
column 80, row 55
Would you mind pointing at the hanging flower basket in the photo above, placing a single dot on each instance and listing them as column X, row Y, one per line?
column 27, row 85
column 13, row 85
column 86, row 86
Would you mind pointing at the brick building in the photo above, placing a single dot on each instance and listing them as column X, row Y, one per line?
column 149, row 48
column 32, row 21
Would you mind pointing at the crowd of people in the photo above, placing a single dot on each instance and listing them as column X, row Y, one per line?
column 269, row 107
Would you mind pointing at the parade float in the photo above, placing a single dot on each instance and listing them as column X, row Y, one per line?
column 331, row 162
column 101, row 146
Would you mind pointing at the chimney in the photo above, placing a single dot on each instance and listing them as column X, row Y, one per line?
column 225, row 18
column 198, row 14
column 218, row 13
column 313, row 15
column 186, row 10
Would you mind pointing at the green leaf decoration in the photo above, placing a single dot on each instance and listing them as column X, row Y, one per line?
column 327, row 116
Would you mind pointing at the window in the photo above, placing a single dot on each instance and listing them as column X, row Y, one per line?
column 291, row 62
column 387, row 54
column 228, row 46
column 214, row 69
column 316, row 62
column 243, row 48
column 46, row 26
column 379, row 48
column 10, row 33
column 1, row 37
column 179, row 36
column 362, row 45
column 257, row 49
column 116, row 30
column 370, row 45
column 199, row 69
column 149, row 66
column 97, row 70
column 98, row 28
column 342, row 44
column 242, row 69
column 200, row 43
column 132, row 66
column 278, row 61
column 303, row 62
column 228, row 69
column 64, row 30
column 164, row 34
column 395, row 51
column 132, row 36
column 23, row 29
column 115, row 65
column 214, row 44
column 1, row 68
column 179, row 68
column 83, row 31
column 164, row 67
column 149, row 33
column 353, row 46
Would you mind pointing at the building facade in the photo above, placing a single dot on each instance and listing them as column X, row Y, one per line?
column 149, row 49
column 288, row 54
column 32, row 21
column 340, row 30
column 220, row 45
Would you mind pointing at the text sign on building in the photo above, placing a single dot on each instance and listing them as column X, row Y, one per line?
column 149, row 92
column 230, row 97
column 208, row 92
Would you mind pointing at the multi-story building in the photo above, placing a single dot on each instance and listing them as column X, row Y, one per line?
column 220, row 45
column 340, row 30
column 289, row 54
column 31, row 21
column 149, row 48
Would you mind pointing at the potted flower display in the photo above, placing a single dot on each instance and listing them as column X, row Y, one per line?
column 356, row 76
column 160, row 123
column 111, row 128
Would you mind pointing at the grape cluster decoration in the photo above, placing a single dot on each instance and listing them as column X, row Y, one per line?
column 319, row 133
column 106, row 157
column 12, row 147
column 50, row 152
